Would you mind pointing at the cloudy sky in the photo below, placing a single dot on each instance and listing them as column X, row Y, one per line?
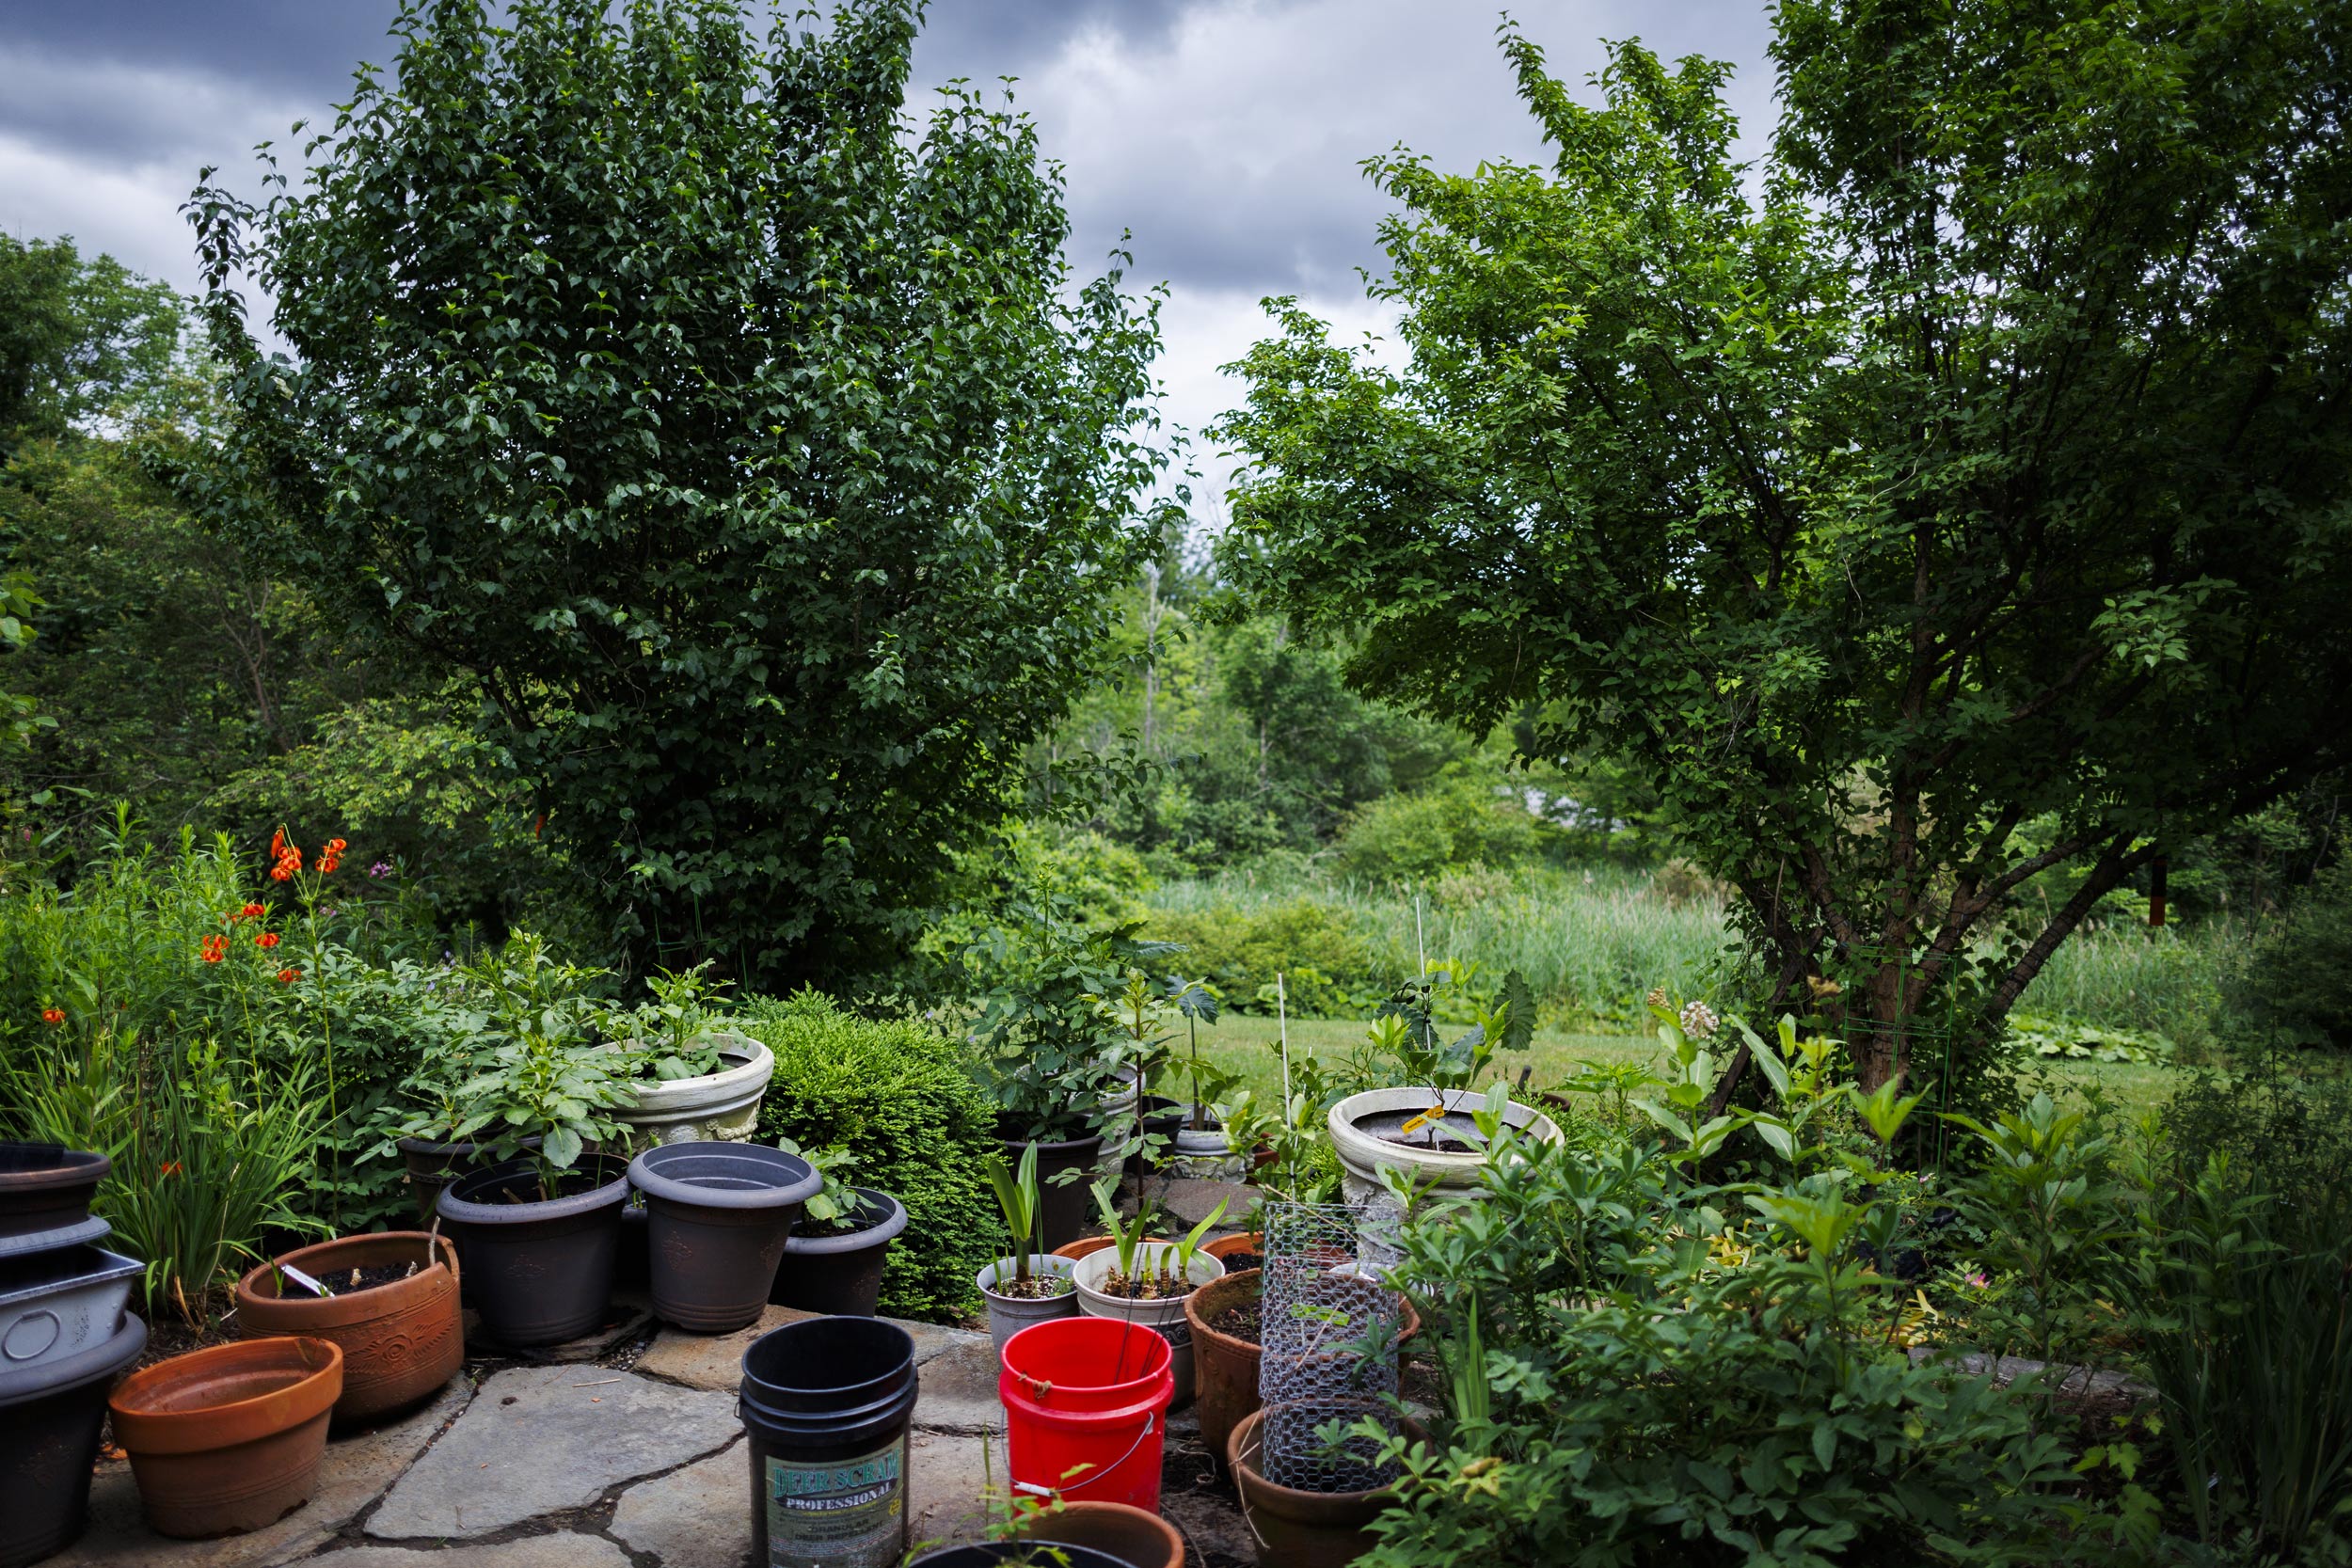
column 1225, row 134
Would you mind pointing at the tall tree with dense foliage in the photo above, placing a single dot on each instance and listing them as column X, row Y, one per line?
column 746, row 442
column 1961, row 495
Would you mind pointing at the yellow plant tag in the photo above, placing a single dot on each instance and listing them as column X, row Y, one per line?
column 1434, row 1113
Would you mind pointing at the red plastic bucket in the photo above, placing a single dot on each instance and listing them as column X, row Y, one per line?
column 1086, row 1410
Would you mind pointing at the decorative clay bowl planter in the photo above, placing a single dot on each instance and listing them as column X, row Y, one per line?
column 402, row 1340
column 52, row 1414
column 541, row 1269
column 1009, row 1315
column 1302, row 1530
column 716, row 1107
column 841, row 1276
column 719, row 1215
column 229, row 1439
column 1126, row 1534
column 1165, row 1316
column 46, row 1187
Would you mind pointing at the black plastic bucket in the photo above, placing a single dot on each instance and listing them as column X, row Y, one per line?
column 826, row 1403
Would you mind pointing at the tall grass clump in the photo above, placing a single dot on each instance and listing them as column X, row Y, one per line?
column 2122, row 976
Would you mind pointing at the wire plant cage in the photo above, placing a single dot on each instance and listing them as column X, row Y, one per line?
column 1327, row 1333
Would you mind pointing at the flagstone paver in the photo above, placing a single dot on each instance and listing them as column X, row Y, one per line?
column 532, row 1551
column 697, row 1517
column 541, row 1439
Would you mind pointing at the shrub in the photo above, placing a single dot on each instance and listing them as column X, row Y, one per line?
column 1464, row 820
column 896, row 1096
column 1330, row 970
column 2298, row 978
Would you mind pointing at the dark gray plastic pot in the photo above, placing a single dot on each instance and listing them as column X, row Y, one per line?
column 719, row 1215
column 1065, row 1209
column 54, row 1304
column 541, row 1269
column 46, row 1187
column 841, row 1274
column 432, row 1167
column 52, row 1414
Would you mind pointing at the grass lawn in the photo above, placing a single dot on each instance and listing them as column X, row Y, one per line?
column 1246, row 1045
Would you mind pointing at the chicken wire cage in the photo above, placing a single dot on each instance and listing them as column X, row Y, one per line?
column 1328, row 1331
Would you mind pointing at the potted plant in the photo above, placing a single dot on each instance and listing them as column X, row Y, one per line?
column 1203, row 1147
column 1223, row 1317
column 693, row 1079
column 539, row 1230
column 833, row 1259
column 720, row 1215
column 229, row 1439
column 1048, row 1052
column 1146, row 1282
column 1426, row 1134
column 1299, row 1529
column 388, row 1300
column 1120, row 1532
column 1024, row 1286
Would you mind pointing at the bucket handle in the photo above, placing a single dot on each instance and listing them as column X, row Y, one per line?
column 1150, row 1420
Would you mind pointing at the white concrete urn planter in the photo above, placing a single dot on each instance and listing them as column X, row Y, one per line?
column 1357, row 1125
column 1164, row 1316
column 717, row 1108
column 1207, row 1154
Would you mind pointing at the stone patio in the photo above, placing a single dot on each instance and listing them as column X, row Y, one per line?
column 622, row 1450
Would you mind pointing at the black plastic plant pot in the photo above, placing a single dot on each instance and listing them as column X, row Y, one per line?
column 541, row 1268
column 47, row 1186
column 989, row 1553
column 718, row 1216
column 841, row 1276
column 1065, row 1209
column 51, row 1414
column 432, row 1167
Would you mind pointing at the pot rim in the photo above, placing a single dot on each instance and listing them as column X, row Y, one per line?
column 426, row 1146
column 23, row 1384
column 212, row 1427
column 1171, row 1541
column 74, row 1167
column 983, row 1280
column 461, row 1211
column 1048, row 1148
column 354, row 1306
column 24, row 1242
column 1198, row 1316
column 1125, row 1307
column 1363, row 1153
column 877, row 1234
column 645, row 1175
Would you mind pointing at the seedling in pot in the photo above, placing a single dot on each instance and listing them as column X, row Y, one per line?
column 1195, row 1000
column 1179, row 1257
column 1017, row 1198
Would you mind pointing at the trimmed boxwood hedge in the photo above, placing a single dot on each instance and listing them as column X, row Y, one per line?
column 895, row 1095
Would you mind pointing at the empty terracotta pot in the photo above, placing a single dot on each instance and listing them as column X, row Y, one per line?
column 1129, row 1534
column 402, row 1341
column 228, row 1439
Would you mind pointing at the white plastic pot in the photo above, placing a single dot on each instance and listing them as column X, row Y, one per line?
column 1164, row 1316
column 717, row 1108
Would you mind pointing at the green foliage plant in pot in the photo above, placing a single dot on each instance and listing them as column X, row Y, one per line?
column 1026, row 1285
column 694, row 1078
column 1147, row 1282
column 1204, row 1148
column 538, row 1230
column 835, row 1257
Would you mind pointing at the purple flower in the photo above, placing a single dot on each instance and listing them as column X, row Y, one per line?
column 380, row 870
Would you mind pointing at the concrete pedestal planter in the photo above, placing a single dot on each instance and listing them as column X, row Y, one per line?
column 1205, row 1154
column 402, row 1340
column 717, row 1108
column 1303, row 1529
column 1008, row 1315
column 1363, row 1128
column 541, row 1269
column 227, row 1439
column 52, row 1414
column 1163, row 1315
column 720, row 1215
column 841, row 1276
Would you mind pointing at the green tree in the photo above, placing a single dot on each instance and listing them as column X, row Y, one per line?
column 743, row 439
column 1980, row 461
column 78, row 339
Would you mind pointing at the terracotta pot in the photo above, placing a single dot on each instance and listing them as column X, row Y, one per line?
column 46, row 1186
column 1303, row 1529
column 227, row 1439
column 1225, row 1246
column 1224, row 1369
column 401, row 1341
column 1129, row 1534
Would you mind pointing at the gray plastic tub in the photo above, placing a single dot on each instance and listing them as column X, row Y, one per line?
column 54, row 1304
